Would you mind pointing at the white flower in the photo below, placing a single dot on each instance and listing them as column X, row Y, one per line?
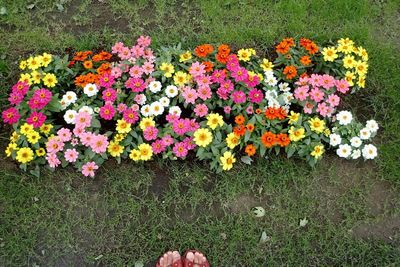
column 69, row 97
column 90, row 89
column 287, row 97
column 96, row 109
column 369, row 152
column 164, row 101
column 156, row 108
column 344, row 151
column 86, row 109
column 271, row 94
column 284, row 87
column 355, row 141
column 269, row 73
column 69, row 116
column 171, row 91
column 146, row 111
column 365, row 134
column 155, row 86
column 63, row 104
column 335, row 139
column 372, row 126
column 344, row 117
column 356, row 154
column 175, row 110
column 271, row 80
column 273, row 103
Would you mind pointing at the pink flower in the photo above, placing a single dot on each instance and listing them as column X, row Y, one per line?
column 52, row 160
column 240, row 74
column 54, row 145
column 180, row 126
column 190, row 95
column 83, row 119
column 252, row 81
column 10, row 115
column 89, row 168
column 327, row 81
column 158, row 146
column 193, row 125
column 86, row 138
column 20, row 88
column 249, row 110
column 71, row 155
column 322, row 109
column 99, row 143
column 301, row 93
column 256, row 96
column 227, row 109
column 117, row 48
column 125, row 53
column 140, row 99
column 180, row 150
column 136, row 71
column 107, row 112
column 189, row 143
column 121, row 107
column 64, row 134
column 148, row 67
column 137, row 85
column 308, row 108
column 36, row 119
column 238, row 97
column 204, row 92
column 78, row 131
column 333, row 100
column 203, row 81
column 15, row 98
column 218, row 76
column 150, row 133
column 197, row 69
column 342, row 86
column 130, row 116
column 227, row 86
column 201, row 110
column 137, row 51
column 315, row 80
column 43, row 95
column 74, row 141
column 109, row 95
column 144, row 41
column 171, row 117
column 316, row 94
column 116, row 72
column 168, row 140
column 106, row 80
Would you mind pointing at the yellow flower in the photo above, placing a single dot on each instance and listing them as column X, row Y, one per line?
column 14, row 137
column 227, row 160
column 180, row 78
column 22, row 64
column 146, row 122
column 361, row 81
column 361, row 67
column 244, row 54
column 50, row 80
column 36, row 76
column 214, row 120
column 33, row 63
column 25, row 128
column 185, row 56
column 345, row 48
column 349, row 62
column 266, row 65
column 146, row 151
column 46, row 128
column 317, row 125
column 134, row 155
column 46, row 59
column 252, row 51
column 318, row 151
column 349, row 77
column 232, row 140
column 293, row 117
column 202, row 137
column 33, row 137
column 168, row 69
column 345, row 41
column 24, row 155
column 296, row 134
column 40, row 152
column 362, row 53
column 329, row 53
column 119, row 137
column 115, row 149
column 26, row 77
column 123, row 126
column 10, row 148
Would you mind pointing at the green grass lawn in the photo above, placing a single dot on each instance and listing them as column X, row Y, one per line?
column 131, row 212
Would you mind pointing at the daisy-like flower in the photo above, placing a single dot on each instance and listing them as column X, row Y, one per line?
column 89, row 168
column 372, row 126
column 369, row 152
column 356, row 154
column 175, row 110
column 69, row 97
column 90, row 89
column 335, row 139
column 69, row 116
column 156, row 108
column 146, row 111
column 171, row 91
column 155, row 86
column 344, row 151
column 164, row 101
column 355, row 141
column 344, row 117
column 365, row 134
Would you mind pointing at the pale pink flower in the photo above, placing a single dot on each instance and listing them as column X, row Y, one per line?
column 71, row 155
column 89, row 168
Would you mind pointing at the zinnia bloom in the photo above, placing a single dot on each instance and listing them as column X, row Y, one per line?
column 10, row 115
column 268, row 139
column 89, row 168
column 36, row 119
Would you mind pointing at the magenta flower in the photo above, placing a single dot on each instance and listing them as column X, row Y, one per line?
column 106, row 80
column 10, row 115
column 256, row 96
column 20, row 88
column 137, row 85
column 43, row 95
column 71, row 155
column 227, row 86
column 180, row 150
column 109, row 95
column 201, row 110
column 36, row 119
column 218, row 76
column 168, row 140
column 189, row 143
column 240, row 74
column 107, row 112
column 89, row 168
column 180, row 126
column 238, row 97
column 193, row 125
column 150, row 133
column 130, row 116
column 252, row 81
column 15, row 98
column 158, row 146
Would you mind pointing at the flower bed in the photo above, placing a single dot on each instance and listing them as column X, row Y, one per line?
column 213, row 103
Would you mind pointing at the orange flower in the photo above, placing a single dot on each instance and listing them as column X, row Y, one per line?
column 281, row 113
column 224, row 49
column 239, row 119
column 239, row 130
column 222, row 58
column 305, row 60
column 80, row 81
column 258, row 111
column 82, row 55
column 309, row 45
column 88, row 64
column 250, row 127
column 268, row 139
column 271, row 113
column 208, row 66
column 203, row 50
column 290, row 72
column 104, row 68
column 250, row 150
column 284, row 46
column 283, row 139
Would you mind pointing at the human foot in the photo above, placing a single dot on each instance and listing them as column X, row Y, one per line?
column 170, row 259
column 194, row 258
